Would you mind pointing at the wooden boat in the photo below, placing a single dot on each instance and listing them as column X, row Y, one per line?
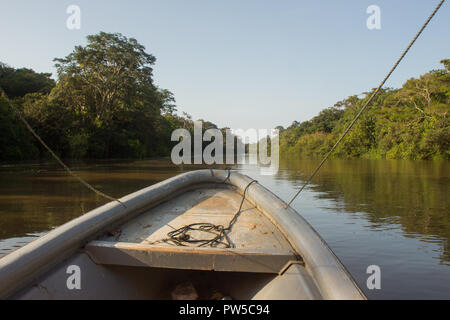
column 118, row 251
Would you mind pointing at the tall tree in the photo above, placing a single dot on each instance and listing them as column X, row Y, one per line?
column 111, row 73
column 108, row 84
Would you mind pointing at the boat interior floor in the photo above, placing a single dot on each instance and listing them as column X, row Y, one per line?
column 252, row 230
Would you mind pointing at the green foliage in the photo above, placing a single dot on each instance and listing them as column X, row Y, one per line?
column 111, row 74
column 407, row 123
column 104, row 105
column 19, row 82
column 15, row 141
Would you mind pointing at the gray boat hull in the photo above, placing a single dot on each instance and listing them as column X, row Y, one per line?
column 267, row 236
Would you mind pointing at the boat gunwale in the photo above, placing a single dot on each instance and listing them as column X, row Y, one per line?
column 21, row 267
column 331, row 276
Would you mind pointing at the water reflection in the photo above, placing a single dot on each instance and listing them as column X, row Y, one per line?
column 387, row 193
column 35, row 199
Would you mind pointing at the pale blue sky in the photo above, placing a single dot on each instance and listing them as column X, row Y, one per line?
column 242, row 64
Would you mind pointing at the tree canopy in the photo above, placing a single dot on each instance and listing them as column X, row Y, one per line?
column 407, row 123
column 110, row 74
column 19, row 82
column 105, row 104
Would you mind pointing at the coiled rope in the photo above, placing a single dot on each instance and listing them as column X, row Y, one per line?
column 374, row 94
column 183, row 236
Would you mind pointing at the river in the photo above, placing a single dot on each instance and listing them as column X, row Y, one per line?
column 390, row 213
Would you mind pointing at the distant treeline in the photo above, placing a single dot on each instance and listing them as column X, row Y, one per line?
column 407, row 123
column 103, row 105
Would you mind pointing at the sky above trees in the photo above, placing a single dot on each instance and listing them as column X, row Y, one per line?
column 242, row 64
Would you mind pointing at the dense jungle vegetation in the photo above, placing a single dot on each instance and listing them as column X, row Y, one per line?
column 105, row 104
column 406, row 123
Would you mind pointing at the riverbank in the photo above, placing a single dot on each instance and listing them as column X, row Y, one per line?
column 406, row 123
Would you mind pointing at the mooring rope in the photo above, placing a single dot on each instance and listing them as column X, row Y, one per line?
column 183, row 237
column 81, row 180
column 374, row 94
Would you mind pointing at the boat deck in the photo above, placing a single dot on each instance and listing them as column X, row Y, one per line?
column 252, row 230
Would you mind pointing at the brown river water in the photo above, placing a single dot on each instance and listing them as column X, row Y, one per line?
column 390, row 213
